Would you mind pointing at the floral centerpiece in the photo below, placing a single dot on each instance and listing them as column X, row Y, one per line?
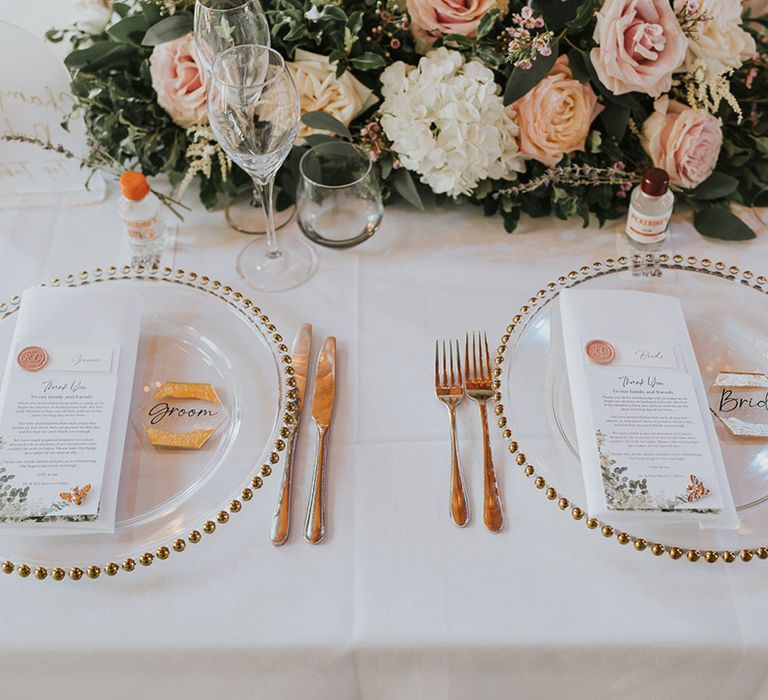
column 546, row 107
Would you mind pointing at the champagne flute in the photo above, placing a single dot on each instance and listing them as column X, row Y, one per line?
column 222, row 24
column 253, row 109
column 219, row 25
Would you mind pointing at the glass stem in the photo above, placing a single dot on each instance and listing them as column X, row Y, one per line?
column 263, row 191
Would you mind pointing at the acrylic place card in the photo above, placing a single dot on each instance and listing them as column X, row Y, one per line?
column 647, row 444
column 64, row 408
column 34, row 104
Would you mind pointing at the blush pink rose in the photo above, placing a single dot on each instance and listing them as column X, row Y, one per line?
column 683, row 141
column 433, row 18
column 177, row 78
column 640, row 44
column 555, row 116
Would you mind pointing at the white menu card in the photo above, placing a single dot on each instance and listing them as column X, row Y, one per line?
column 647, row 444
column 64, row 406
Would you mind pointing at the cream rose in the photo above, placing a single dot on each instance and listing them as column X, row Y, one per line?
column 720, row 41
column 433, row 18
column 685, row 142
column 555, row 116
column 178, row 81
column 640, row 45
column 93, row 15
column 320, row 90
column 756, row 8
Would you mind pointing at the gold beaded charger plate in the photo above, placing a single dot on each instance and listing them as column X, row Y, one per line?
column 197, row 330
column 726, row 310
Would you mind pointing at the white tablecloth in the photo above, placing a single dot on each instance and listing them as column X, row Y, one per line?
column 397, row 603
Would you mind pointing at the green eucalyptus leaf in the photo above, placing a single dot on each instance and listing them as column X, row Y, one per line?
column 326, row 122
column 487, row 23
column 151, row 11
column 615, row 119
column 584, row 14
column 334, row 12
column 557, row 13
column 578, row 67
column 121, row 9
column 524, row 80
column 718, row 221
column 716, row 186
column 129, row 30
column 98, row 55
column 168, row 29
column 762, row 144
column 368, row 61
column 458, row 40
column 405, row 187
column 386, row 167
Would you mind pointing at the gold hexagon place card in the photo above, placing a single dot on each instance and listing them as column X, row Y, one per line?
column 181, row 415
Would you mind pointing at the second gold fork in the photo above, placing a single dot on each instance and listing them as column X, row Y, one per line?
column 478, row 387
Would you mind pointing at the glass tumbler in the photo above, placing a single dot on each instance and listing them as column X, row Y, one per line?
column 338, row 201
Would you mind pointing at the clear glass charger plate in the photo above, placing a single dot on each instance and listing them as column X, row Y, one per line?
column 726, row 310
column 194, row 329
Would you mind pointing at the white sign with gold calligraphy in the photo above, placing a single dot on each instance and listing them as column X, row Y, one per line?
column 34, row 101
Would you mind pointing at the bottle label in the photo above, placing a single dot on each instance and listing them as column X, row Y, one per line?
column 145, row 230
column 647, row 229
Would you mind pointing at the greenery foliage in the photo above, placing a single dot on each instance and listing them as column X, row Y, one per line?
column 111, row 80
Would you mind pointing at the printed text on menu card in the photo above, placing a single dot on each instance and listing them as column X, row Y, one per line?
column 54, row 433
column 650, row 435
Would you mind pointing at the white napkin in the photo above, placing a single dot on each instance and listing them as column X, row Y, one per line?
column 91, row 335
column 651, row 343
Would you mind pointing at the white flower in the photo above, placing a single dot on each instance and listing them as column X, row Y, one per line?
column 447, row 122
column 320, row 90
column 719, row 41
column 93, row 15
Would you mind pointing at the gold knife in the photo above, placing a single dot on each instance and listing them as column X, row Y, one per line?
column 281, row 520
column 322, row 412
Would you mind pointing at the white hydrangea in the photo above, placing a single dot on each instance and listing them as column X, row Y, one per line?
column 447, row 122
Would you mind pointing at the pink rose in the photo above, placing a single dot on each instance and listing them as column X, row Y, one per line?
column 554, row 117
column 640, row 44
column 433, row 18
column 683, row 141
column 178, row 81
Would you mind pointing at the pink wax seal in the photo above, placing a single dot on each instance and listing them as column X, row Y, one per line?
column 32, row 358
column 601, row 352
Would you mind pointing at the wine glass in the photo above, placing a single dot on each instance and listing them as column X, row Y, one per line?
column 222, row 24
column 253, row 109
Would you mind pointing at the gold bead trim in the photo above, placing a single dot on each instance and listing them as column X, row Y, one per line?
column 255, row 317
column 519, row 323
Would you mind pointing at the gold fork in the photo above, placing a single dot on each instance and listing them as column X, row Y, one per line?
column 449, row 390
column 478, row 388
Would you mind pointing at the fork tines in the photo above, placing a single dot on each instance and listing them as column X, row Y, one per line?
column 444, row 379
column 479, row 370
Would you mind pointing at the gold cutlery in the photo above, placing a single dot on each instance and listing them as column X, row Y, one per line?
column 322, row 412
column 478, row 387
column 450, row 391
column 281, row 520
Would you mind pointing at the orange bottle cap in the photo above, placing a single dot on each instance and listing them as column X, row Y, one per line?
column 134, row 185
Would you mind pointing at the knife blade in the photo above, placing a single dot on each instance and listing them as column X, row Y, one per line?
column 322, row 413
column 300, row 353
